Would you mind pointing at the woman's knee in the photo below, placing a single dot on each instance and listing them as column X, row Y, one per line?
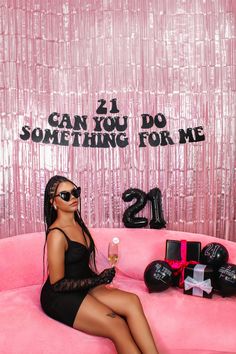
column 134, row 300
column 134, row 303
column 121, row 336
column 117, row 327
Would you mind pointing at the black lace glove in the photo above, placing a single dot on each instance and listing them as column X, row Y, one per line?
column 66, row 285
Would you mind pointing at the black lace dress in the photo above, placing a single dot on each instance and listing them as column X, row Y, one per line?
column 62, row 300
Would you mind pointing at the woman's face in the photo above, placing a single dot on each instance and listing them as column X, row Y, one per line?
column 60, row 203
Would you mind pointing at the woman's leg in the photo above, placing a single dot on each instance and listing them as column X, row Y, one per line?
column 128, row 305
column 95, row 318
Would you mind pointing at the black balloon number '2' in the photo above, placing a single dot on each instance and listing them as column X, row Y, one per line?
column 129, row 218
column 154, row 196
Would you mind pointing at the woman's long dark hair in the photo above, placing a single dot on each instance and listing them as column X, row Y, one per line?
column 50, row 215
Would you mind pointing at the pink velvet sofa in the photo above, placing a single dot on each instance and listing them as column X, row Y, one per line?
column 181, row 324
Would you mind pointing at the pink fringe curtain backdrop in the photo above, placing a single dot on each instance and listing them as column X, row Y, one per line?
column 176, row 57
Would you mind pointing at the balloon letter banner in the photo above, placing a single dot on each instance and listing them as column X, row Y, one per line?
column 154, row 195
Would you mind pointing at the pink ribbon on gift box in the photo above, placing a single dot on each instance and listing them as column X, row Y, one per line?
column 179, row 266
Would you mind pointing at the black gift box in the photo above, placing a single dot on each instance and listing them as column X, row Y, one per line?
column 173, row 250
column 173, row 253
column 192, row 271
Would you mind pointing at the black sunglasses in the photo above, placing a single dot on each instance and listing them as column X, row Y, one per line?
column 67, row 195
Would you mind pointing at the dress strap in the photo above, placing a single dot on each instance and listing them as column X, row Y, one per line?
column 57, row 228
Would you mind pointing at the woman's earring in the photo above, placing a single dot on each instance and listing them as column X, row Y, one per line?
column 55, row 207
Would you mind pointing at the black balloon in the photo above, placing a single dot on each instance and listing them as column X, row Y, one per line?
column 129, row 218
column 158, row 276
column 214, row 254
column 157, row 222
column 226, row 279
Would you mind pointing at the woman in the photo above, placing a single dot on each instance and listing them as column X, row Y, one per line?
column 76, row 295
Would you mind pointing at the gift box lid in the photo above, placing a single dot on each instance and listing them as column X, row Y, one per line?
column 208, row 271
column 173, row 250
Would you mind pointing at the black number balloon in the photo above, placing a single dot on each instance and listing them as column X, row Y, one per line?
column 157, row 221
column 129, row 218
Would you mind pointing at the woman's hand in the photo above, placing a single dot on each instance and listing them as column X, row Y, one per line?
column 107, row 275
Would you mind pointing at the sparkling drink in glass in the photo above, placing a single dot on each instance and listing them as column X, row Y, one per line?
column 113, row 252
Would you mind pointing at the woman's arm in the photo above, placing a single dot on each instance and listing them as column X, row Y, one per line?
column 56, row 248
column 65, row 284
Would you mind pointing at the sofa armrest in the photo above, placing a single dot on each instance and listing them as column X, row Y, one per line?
column 21, row 260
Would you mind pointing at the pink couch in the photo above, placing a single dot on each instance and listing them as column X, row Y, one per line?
column 181, row 324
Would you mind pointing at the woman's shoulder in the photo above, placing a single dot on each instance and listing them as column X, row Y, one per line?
column 55, row 234
column 55, row 227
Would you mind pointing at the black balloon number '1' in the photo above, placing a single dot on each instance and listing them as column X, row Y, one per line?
column 158, row 276
column 154, row 195
column 157, row 221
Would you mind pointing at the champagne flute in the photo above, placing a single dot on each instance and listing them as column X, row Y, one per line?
column 113, row 253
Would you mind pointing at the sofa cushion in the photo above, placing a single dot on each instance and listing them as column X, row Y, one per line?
column 26, row 329
column 180, row 323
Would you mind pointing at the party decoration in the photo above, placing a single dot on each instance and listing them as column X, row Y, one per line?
column 214, row 254
column 226, row 279
column 104, row 134
column 157, row 221
column 108, row 132
column 158, row 276
column 198, row 280
column 154, row 195
column 129, row 218
column 180, row 254
column 102, row 108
